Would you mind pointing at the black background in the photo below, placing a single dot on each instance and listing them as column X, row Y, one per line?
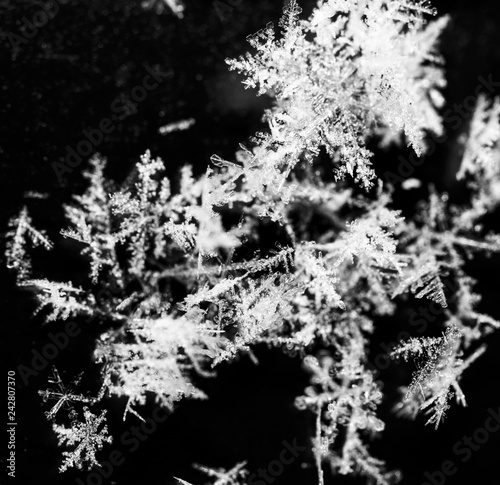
column 65, row 80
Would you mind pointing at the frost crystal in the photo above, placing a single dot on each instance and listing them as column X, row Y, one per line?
column 21, row 231
column 65, row 395
column 89, row 437
column 353, row 66
column 234, row 476
column 156, row 358
column 188, row 272
column 439, row 370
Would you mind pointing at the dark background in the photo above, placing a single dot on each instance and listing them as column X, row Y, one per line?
column 65, row 80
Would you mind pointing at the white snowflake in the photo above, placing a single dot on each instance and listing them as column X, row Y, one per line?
column 88, row 438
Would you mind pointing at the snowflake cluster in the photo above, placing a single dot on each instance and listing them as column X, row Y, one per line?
column 269, row 249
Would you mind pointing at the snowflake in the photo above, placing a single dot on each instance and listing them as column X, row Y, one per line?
column 88, row 438
column 65, row 395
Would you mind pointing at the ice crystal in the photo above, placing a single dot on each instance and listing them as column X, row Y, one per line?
column 270, row 249
column 21, row 230
column 344, row 396
column 480, row 162
column 65, row 395
column 60, row 298
column 177, row 126
column 88, row 436
column 439, row 370
column 156, row 359
column 219, row 476
column 234, row 476
column 354, row 66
